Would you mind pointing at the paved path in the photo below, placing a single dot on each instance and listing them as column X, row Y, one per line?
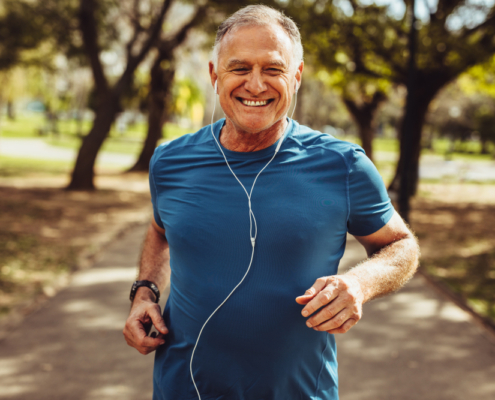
column 414, row 345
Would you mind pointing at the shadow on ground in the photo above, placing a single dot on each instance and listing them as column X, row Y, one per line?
column 409, row 346
column 414, row 345
column 73, row 348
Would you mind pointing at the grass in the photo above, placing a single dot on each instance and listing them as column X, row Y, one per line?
column 32, row 124
column 18, row 167
column 472, row 277
column 35, row 125
column 110, row 145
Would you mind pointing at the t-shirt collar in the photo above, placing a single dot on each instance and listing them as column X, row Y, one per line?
column 217, row 127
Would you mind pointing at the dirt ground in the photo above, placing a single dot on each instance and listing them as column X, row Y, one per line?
column 455, row 224
column 46, row 232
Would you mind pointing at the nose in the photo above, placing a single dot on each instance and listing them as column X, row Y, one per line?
column 255, row 84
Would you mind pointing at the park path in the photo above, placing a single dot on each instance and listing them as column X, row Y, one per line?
column 413, row 345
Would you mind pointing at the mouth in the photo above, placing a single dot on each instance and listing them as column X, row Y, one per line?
column 254, row 103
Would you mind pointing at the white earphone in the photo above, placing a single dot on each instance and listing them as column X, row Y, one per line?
column 252, row 222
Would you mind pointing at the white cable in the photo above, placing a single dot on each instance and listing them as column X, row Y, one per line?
column 251, row 236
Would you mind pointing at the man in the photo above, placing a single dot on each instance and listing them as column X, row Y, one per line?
column 231, row 328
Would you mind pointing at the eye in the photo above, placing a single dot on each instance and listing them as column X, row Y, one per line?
column 240, row 70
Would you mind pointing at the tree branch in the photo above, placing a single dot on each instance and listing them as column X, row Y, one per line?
column 134, row 16
column 180, row 36
column 153, row 32
column 489, row 22
column 87, row 24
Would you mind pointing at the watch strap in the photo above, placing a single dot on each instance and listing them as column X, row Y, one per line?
column 150, row 285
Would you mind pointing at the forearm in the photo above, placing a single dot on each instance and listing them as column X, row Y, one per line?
column 388, row 269
column 155, row 261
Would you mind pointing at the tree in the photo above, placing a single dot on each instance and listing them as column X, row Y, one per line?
column 109, row 95
column 361, row 95
column 162, row 75
column 376, row 42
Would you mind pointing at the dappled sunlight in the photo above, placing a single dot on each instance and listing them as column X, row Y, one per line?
column 103, row 275
column 451, row 312
column 73, row 348
column 418, row 340
column 111, row 392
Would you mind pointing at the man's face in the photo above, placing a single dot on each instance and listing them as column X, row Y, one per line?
column 256, row 76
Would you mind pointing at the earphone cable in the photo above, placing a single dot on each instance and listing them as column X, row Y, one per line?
column 252, row 221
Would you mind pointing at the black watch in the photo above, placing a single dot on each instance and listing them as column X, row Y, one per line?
column 149, row 285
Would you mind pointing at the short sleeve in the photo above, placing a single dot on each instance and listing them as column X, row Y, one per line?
column 369, row 205
column 154, row 197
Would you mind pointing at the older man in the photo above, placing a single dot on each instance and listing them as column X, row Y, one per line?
column 249, row 213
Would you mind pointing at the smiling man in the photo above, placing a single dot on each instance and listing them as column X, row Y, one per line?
column 250, row 221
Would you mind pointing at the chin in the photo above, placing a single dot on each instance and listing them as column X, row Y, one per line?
column 253, row 125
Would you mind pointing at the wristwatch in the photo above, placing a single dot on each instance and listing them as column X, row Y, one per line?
column 149, row 285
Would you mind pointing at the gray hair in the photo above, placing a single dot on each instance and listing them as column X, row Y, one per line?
column 259, row 15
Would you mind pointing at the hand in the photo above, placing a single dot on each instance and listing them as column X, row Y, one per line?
column 338, row 298
column 144, row 313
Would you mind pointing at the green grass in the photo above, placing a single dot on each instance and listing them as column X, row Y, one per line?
column 10, row 166
column 379, row 144
column 110, row 145
column 35, row 125
column 23, row 126
column 32, row 124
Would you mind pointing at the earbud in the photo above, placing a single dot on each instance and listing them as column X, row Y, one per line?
column 216, row 87
column 296, row 87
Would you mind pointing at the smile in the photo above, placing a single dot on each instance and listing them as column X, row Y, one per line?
column 257, row 103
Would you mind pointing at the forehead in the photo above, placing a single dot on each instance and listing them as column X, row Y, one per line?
column 255, row 44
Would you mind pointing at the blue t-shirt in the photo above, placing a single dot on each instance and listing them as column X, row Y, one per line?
column 257, row 346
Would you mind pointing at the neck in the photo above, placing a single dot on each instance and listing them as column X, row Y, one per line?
column 235, row 139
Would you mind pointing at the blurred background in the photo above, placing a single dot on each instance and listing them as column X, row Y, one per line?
column 88, row 89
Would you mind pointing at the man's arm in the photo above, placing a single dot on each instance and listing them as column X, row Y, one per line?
column 154, row 267
column 335, row 302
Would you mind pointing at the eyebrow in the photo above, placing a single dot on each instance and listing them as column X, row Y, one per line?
column 236, row 62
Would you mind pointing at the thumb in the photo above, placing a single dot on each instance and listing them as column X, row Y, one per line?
column 157, row 320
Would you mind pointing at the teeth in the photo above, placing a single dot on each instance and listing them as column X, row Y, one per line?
column 254, row 103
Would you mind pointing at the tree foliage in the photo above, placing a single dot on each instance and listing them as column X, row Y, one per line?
column 369, row 40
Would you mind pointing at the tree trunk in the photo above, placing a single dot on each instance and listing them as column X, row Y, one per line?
column 364, row 116
column 10, row 110
column 162, row 76
column 83, row 174
column 426, row 92
column 366, row 134
column 484, row 146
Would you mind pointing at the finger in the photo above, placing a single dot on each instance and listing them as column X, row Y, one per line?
column 157, row 319
column 327, row 313
column 335, row 322
column 319, row 284
column 304, row 299
column 345, row 327
column 151, row 343
column 140, row 337
column 320, row 300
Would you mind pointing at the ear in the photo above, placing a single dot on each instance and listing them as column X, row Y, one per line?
column 298, row 76
column 213, row 76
